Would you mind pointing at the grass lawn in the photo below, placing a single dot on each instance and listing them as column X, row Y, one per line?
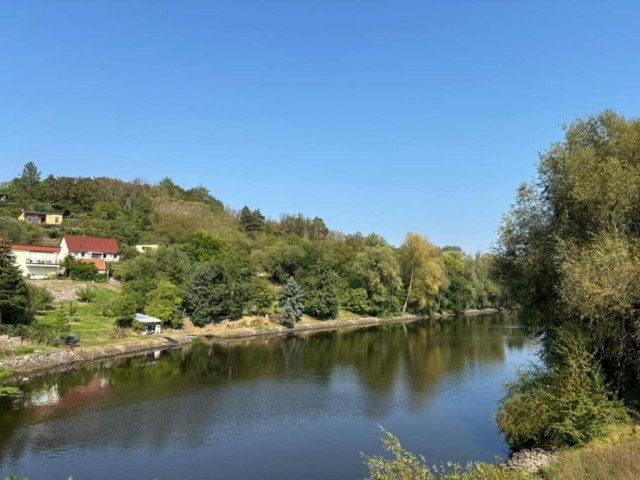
column 90, row 327
column 614, row 457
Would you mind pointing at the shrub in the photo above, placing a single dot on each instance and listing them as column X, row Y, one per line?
column 564, row 404
column 407, row 466
column 39, row 299
column 82, row 271
column 87, row 294
column 123, row 309
column 164, row 303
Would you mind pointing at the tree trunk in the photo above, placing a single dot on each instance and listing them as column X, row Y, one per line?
column 406, row 300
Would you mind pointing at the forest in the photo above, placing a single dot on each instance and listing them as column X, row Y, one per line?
column 217, row 262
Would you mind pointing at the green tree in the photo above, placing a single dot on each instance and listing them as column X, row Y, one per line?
column 14, row 295
column 29, row 180
column 39, row 299
column 124, row 309
column 322, row 298
column 200, row 294
column 262, row 297
column 251, row 222
column 379, row 272
column 201, row 247
column 568, row 248
column 292, row 303
column 164, row 303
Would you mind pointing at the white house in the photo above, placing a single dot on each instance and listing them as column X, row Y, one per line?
column 80, row 247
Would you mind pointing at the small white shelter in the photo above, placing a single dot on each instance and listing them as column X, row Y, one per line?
column 152, row 325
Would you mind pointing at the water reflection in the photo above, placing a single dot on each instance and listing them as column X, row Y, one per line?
column 198, row 398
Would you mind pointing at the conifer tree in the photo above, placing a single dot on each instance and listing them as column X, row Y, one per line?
column 14, row 295
column 292, row 303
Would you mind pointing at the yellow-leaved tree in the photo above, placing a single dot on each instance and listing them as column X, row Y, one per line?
column 422, row 270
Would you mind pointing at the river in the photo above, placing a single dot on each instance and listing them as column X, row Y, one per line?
column 271, row 408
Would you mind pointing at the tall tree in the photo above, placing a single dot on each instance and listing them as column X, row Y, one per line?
column 321, row 289
column 422, row 270
column 379, row 271
column 569, row 248
column 292, row 303
column 29, row 180
column 14, row 294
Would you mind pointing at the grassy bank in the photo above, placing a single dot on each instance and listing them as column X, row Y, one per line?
column 613, row 457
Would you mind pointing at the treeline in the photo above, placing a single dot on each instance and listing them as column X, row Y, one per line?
column 215, row 262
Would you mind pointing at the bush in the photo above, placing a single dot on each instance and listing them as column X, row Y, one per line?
column 87, row 294
column 123, row 309
column 407, row 466
column 565, row 404
column 39, row 299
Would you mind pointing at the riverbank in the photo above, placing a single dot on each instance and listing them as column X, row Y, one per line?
column 44, row 362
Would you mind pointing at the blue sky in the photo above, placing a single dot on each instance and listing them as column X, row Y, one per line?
column 376, row 116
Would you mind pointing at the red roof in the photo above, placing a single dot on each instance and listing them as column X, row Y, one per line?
column 35, row 248
column 101, row 265
column 77, row 243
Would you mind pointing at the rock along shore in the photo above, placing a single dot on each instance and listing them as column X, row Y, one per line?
column 42, row 363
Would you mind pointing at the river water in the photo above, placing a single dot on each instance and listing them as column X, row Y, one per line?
column 271, row 408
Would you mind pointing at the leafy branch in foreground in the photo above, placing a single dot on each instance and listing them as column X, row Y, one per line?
column 407, row 466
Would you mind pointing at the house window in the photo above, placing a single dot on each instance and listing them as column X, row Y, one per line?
column 104, row 256
column 82, row 254
column 96, row 255
column 56, row 220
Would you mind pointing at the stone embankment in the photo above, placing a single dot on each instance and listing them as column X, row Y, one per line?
column 531, row 461
column 34, row 363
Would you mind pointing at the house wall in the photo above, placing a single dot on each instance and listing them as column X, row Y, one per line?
column 64, row 251
column 32, row 218
column 36, row 264
column 53, row 219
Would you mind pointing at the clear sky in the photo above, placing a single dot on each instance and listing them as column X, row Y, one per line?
column 387, row 116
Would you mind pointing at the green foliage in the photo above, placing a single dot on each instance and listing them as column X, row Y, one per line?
column 201, row 248
column 138, row 290
column 322, row 299
column 18, row 231
column 563, row 404
column 164, row 303
column 123, row 309
column 405, row 465
column 87, row 294
column 14, row 294
column 82, row 271
column 40, row 299
column 251, row 222
column 568, row 248
column 379, row 272
column 292, row 302
column 220, row 289
column 262, row 297
column 356, row 300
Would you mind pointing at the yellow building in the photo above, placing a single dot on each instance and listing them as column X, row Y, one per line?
column 41, row 218
column 35, row 261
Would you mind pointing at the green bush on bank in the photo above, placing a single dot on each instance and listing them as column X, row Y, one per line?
column 564, row 404
column 405, row 465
